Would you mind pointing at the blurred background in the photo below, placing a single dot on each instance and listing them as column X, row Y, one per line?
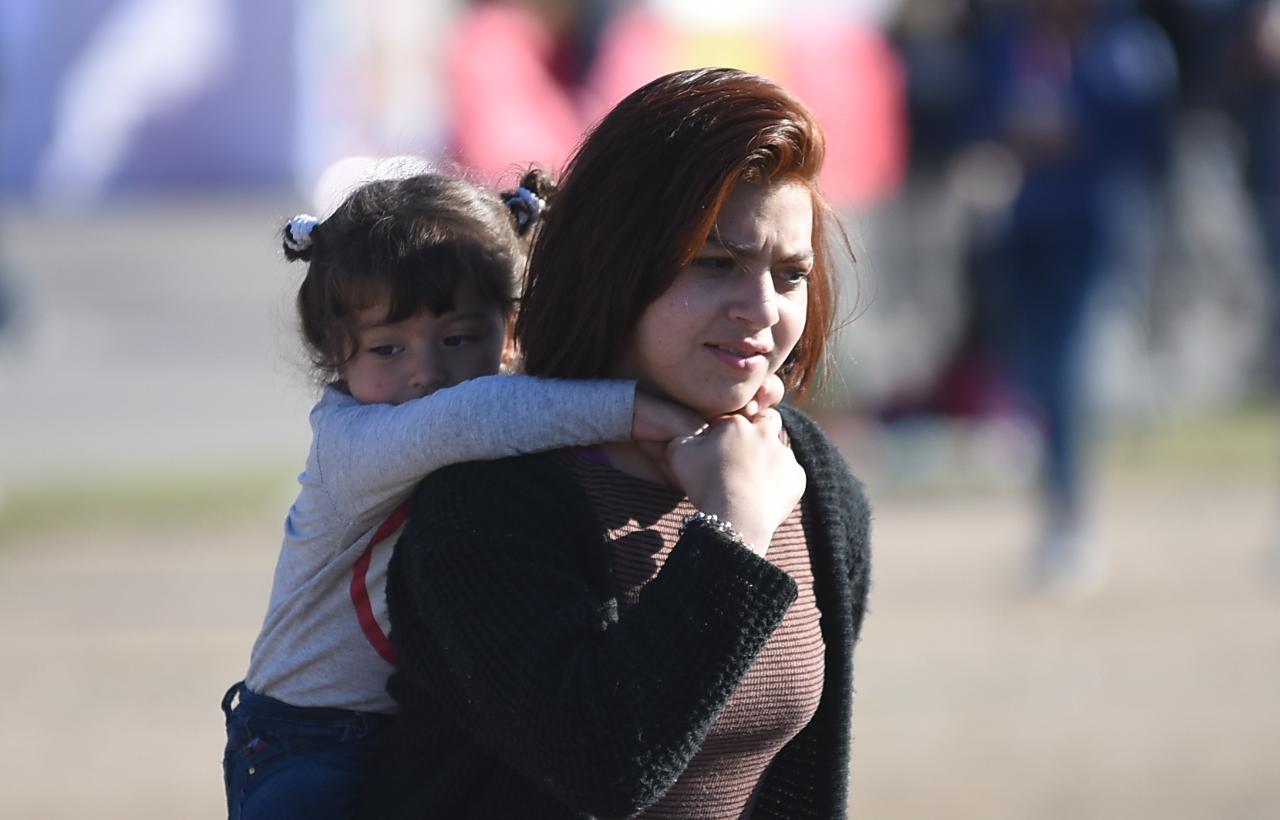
column 1058, row 378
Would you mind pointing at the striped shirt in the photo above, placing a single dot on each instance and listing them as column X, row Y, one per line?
column 780, row 692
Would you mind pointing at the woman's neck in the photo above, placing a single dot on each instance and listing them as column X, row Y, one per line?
column 632, row 459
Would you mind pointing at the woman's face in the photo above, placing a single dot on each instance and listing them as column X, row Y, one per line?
column 734, row 313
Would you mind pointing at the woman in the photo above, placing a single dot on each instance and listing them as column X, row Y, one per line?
column 585, row 633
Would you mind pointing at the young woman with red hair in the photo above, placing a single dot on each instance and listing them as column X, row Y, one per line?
column 614, row 631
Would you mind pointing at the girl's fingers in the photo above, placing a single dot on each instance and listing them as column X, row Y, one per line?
column 656, row 419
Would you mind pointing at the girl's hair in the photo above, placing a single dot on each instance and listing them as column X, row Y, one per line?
column 410, row 241
column 640, row 197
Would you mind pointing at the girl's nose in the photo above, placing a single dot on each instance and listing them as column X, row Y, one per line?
column 428, row 374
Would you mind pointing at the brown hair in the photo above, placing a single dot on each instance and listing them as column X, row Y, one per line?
column 412, row 241
column 639, row 198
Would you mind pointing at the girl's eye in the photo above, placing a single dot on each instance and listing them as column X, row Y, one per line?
column 459, row 339
column 386, row 351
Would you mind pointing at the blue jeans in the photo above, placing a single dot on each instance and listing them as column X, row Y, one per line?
column 287, row 761
column 1039, row 287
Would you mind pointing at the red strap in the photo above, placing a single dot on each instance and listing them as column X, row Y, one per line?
column 360, row 591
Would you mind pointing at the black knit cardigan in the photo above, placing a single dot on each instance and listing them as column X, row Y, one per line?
column 524, row 693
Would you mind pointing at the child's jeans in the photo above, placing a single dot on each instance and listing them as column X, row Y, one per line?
column 287, row 761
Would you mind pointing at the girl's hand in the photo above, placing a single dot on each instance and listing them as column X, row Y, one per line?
column 656, row 421
column 740, row 471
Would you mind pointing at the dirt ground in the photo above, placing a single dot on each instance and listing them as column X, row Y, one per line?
column 1154, row 698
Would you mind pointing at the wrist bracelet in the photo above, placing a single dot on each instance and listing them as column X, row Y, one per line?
column 716, row 523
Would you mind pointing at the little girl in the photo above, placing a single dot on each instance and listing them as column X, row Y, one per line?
column 405, row 307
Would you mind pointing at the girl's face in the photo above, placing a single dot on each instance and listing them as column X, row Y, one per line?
column 400, row 361
column 734, row 313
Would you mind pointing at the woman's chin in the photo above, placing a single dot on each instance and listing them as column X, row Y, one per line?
column 723, row 403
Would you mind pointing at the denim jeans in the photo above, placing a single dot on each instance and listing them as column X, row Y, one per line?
column 287, row 761
column 1039, row 286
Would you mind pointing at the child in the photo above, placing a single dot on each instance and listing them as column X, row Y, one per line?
column 405, row 307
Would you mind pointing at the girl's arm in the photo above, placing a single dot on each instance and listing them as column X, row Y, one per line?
column 368, row 454
column 505, row 620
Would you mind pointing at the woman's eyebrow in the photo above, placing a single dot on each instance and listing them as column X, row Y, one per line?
column 730, row 245
column 746, row 249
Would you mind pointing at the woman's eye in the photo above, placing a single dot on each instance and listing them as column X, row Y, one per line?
column 716, row 264
column 386, row 350
column 791, row 279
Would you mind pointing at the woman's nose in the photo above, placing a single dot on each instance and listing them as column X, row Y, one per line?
column 756, row 303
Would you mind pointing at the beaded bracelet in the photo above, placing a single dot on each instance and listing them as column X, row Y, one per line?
column 716, row 523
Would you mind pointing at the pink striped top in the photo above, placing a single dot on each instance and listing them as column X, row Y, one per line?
column 780, row 692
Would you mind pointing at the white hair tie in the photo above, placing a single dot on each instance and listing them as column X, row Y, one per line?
column 300, row 229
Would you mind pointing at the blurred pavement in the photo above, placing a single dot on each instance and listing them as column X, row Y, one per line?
column 153, row 336
column 1155, row 699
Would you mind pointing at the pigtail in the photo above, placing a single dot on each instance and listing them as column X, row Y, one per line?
column 298, row 237
column 528, row 202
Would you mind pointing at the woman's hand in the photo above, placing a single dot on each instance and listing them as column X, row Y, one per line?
column 769, row 395
column 740, row 471
column 656, row 422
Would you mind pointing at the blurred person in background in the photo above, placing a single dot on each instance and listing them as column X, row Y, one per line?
column 525, row 78
column 936, row 41
column 1076, row 95
column 1258, row 107
column 1229, row 59
column 1228, row 55
column 621, row 630
column 518, row 80
column 1259, row 111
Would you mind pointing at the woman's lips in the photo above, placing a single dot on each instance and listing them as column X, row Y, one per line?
column 739, row 357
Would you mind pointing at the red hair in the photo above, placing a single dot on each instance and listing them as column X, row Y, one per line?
column 639, row 198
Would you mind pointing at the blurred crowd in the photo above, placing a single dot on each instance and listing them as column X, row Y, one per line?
column 1063, row 127
column 1061, row 206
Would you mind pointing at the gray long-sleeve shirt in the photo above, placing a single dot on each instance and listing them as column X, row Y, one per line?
column 323, row 641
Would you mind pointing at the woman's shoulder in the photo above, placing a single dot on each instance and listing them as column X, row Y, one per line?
column 527, row 471
column 801, row 424
column 523, row 486
column 816, row 452
column 521, row 508
column 833, row 491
